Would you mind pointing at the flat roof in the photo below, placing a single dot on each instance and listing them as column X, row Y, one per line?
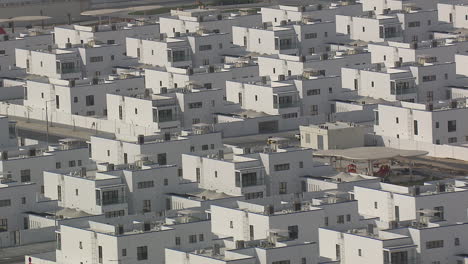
column 369, row 153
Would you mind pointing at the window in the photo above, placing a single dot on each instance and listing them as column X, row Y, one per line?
column 177, row 241
column 348, row 218
column 110, row 41
column 75, row 99
column 162, row 159
column 231, row 224
column 254, row 195
column 112, row 214
column 363, row 29
column 434, row 244
column 414, row 24
column 164, row 115
column 452, row 140
column 3, row 225
column 5, row 203
column 76, row 192
column 330, row 90
column 326, row 220
column 112, row 57
column 415, row 128
column 310, row 35
column 437, row 125
column 100, row 254
column 71, row 163
column 204, row 147
column 25, row 175
column 314, row 110
column 142, row 253
column 23, row 200
column 89, row 100
column 301, row 164
column 204, row 47
column 193, row 239
column 124, row 252
column 166, row 182
column 195, row 105
column 282, row 167
column 201, row 237
column 313, row 92
column 359, row 252
column 249, row 179
column 376, row 205
column 452, row 125
column 293, row 232
column 96, row 59
column 340, row 219
column 282, row 262
column 146, row 206
column 457, row 241
column 110, row 197
column 397, row 120
column 145, row 184
column 429, row 78
column 283, row 187
column 80, row 245
column 289, row 115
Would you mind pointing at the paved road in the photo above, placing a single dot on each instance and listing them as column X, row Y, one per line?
column 14, row 255
column 37, row 129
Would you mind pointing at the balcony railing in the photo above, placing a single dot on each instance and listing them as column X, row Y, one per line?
column 285, row 105
column 402, row 91
column 167, row 119
column 66, row 71
column 117, row 200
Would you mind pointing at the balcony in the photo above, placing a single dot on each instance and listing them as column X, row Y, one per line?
column 390, row 32
column 178, row 55
column 248, row 179
column 402, row 88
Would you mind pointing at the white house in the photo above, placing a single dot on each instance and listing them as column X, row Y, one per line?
column 439, row 123
column 86, row 97
column 115, row 33
column 276, row 14
column 187, row 49
column 191, row 20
